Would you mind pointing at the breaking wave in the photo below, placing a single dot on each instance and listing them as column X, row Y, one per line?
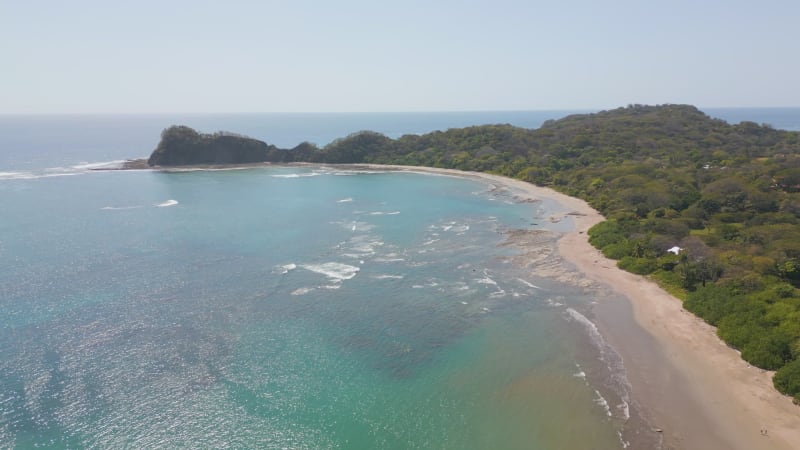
column 77, row 169
column 333, row 270
column 618, row 379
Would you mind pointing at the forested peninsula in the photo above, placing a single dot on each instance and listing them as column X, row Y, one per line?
column 709, row 210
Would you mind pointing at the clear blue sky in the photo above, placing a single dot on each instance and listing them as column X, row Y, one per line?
column 352, row 55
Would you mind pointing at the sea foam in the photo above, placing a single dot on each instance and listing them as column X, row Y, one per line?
column 530, row 285
column 333, row 270
column 619, row 380
column 388, row 277
column 118, row 208
column 297, row 175
column 286, row 268
column 107, row 165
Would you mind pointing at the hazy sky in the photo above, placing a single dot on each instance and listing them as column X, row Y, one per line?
column 352, row 55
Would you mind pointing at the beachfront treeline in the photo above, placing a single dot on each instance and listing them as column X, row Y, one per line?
column 708, row 209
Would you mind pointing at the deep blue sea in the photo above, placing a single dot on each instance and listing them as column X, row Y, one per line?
column 285, row 307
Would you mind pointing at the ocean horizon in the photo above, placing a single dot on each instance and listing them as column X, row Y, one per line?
column 290, row 307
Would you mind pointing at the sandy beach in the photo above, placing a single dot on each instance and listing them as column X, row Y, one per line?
column 690, row 385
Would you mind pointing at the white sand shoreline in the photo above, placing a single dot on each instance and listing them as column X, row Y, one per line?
column 732, row 401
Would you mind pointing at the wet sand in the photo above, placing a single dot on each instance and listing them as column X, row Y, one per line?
column 687, row 382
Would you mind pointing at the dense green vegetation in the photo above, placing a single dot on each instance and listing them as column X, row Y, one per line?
column 663, row 176
column 182, row 145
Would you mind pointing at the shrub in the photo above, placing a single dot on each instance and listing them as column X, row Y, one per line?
column 605, row 233
column 769, row 351
column 743, row 325
column 787, row 379
column 712, row 302
column 618, row 250
column 640, row 266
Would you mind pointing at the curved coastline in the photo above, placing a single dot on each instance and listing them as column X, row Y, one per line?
column 691, row 385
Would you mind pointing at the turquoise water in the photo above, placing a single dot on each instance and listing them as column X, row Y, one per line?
column 282, row 308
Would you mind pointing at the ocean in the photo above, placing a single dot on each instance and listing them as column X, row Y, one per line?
column 288, row 307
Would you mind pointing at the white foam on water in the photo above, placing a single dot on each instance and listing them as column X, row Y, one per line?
column 17, row 176
column 625, row 444
column 625, row 409
column 347, row 173
column 383, row 213
column 600, row 400
column 530, row 285
column 388, row 277
column 333, row 270
column 298, row 175
column 355, row 226
column 78, row 169
column 365, row 245
column 389, row 257
column 594, row 333
column 302, row 291
column 53, row 175
column 118, row 208
column 167, row 203
column 620, row 384
column 464, row 303
column 116, row 164
column 345, row 200
column 430, row 241
column 419, row 263
column 286, row 268
column 428, row 285
column 486, row 280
